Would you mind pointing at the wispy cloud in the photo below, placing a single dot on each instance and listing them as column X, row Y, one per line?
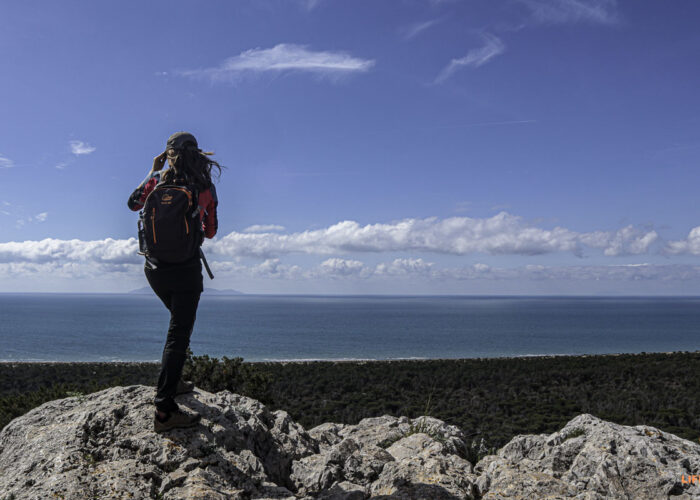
column 616, row 273
column 283, row 58
column 476, row 57
column 572, row 11
column 413, row 30
column 22, row 221
column 81, row 148
column 463, row 206
column 310, row 4
column 6, row 162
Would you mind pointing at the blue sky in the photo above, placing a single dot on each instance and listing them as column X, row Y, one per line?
column 465, row 146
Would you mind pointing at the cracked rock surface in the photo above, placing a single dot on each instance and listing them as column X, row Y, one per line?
column 102, row 445
column 591, row 459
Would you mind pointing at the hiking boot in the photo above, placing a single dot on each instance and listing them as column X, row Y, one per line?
column 175, row 419
column 183, row 387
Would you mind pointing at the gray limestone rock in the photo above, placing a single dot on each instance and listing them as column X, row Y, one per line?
column 425, row 468
column 103, row 446
column 344, row 491
column 327, row 434
column 592, row 459
column 347, row 461
column 415, row 465
column 384, row 431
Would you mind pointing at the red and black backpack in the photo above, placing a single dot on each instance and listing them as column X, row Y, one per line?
column 169, row 227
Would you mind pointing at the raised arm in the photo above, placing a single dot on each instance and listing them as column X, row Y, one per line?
column 210, row 223
column 138, row 197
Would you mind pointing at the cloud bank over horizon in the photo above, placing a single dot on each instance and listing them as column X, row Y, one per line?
column 265, row 252
column 501, row 234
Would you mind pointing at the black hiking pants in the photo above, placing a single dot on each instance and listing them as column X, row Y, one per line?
column 179, row 288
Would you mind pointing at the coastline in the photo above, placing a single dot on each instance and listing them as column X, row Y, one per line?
column 366, row 360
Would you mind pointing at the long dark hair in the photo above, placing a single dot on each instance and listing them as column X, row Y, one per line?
column 190, row 166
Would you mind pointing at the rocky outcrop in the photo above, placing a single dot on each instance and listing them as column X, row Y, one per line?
column 388, row 457
column 103, row 446
column 593, row 459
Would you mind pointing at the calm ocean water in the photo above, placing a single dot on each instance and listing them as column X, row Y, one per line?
column 121, row 327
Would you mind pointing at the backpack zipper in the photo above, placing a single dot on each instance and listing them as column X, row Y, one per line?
column 153, row 223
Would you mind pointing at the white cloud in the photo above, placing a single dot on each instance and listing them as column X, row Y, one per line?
column 6, row 162
column 336, row 267
column 283, row 58
column 273, row 268
column 62, row 165
column 475, row 57
column 67, row 270
column 263, row 228
column 690, row 245
column 626, row 241
column 118, row 258
column 500, row 234
column 81, row 148
column 53, row 250
column 572, row 11
column 413, row 30
column 404, row 267
column 41, row 217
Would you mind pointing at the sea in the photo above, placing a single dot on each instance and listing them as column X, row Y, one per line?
column 132, row 327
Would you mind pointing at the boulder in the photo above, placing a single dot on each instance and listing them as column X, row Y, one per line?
column 593, row 459
column 102, row 445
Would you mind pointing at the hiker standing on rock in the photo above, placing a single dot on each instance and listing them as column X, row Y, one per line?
column 178, row 209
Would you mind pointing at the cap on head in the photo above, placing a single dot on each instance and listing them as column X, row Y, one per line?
column 182, row 140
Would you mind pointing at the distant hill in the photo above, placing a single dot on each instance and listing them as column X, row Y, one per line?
column 207, row 291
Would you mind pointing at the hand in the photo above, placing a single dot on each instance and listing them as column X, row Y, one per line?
column 158, row 162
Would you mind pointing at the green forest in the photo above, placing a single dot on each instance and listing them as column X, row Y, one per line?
column 490, row 398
